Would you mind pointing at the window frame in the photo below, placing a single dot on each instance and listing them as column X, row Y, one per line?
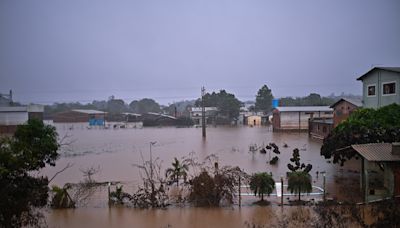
column 369, row 85
column 389, row 94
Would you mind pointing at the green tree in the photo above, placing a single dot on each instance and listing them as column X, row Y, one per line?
column 144, row 106
column 61, row 197
column 264, row 99
column 33, row 146
column 116, row 106
column 178, row 170
column 299, row 181
column 363, row 126
column 228, row 105
column 262, row 184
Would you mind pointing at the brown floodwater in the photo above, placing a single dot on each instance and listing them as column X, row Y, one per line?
column 115, row 151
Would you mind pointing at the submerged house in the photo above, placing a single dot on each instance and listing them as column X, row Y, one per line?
column 380, row 170
column 157, row 119
column 297, row 117
column 196, row 115
column 93, row 117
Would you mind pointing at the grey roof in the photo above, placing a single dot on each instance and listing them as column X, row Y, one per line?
column 394, row 69
column 161, row 115
column 355, row 102
column 88, row 111
column 14, row 109
column 305, row 109
column 131, row 114
column 376, row 151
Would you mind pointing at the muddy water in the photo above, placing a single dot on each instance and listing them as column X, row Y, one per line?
column 116, row 150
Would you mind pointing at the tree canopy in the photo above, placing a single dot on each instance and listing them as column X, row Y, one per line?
column 145, row 105
column 33, row 146
column 262, row 184
column 228, row 105
column 313, row 99
column 264, row 99
column 363, row 126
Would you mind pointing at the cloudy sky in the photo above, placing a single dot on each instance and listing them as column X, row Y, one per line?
column 83, row 50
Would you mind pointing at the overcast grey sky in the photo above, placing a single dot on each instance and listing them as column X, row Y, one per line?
column 83, row 50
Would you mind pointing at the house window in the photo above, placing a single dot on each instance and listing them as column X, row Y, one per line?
column 324, row 129
column 371, row 90
column 389, row 88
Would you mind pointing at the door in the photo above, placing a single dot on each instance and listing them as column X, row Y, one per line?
column 397, row 181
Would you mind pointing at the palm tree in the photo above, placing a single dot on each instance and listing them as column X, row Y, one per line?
column 262, row 183
column 299, row 181
column 61, row 198
column 178, row 169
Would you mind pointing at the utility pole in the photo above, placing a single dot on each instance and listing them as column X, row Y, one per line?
column 324, row 188
column 203, row 112
column 281, row 191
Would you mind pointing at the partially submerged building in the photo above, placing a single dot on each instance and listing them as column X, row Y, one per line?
column 380, row 170
column 12, row 116
column 157, row 119
column 196, row 115
column 296, row 118
column 92, row 117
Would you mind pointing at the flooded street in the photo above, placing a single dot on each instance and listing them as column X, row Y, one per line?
column 116, row 150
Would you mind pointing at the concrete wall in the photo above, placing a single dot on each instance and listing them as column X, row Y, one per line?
column 13, row 118
column 378, row 78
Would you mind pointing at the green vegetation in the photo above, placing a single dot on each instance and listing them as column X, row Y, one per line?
column 33, row 146
column 209, row 189
column 228, row 105
column 144, row 106
column 178, row 170
column 262, row 184
column 313, row 99
column 299, row 179
column 363, row 126
column 264, row 99
column 61, row 197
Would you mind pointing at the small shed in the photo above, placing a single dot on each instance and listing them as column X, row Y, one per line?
column 254, row 120
column 380, row 174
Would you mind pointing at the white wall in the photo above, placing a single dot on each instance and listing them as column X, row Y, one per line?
column 13, row 118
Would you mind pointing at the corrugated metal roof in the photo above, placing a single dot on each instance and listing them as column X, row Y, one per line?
column 14, row 109
column 131, row 114
column 376, row 151
column 355, row 102
column 305, row 109
column 88, row 111
column 394, row 69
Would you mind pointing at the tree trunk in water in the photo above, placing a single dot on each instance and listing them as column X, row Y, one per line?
column 299, row 194
column 262, row 197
